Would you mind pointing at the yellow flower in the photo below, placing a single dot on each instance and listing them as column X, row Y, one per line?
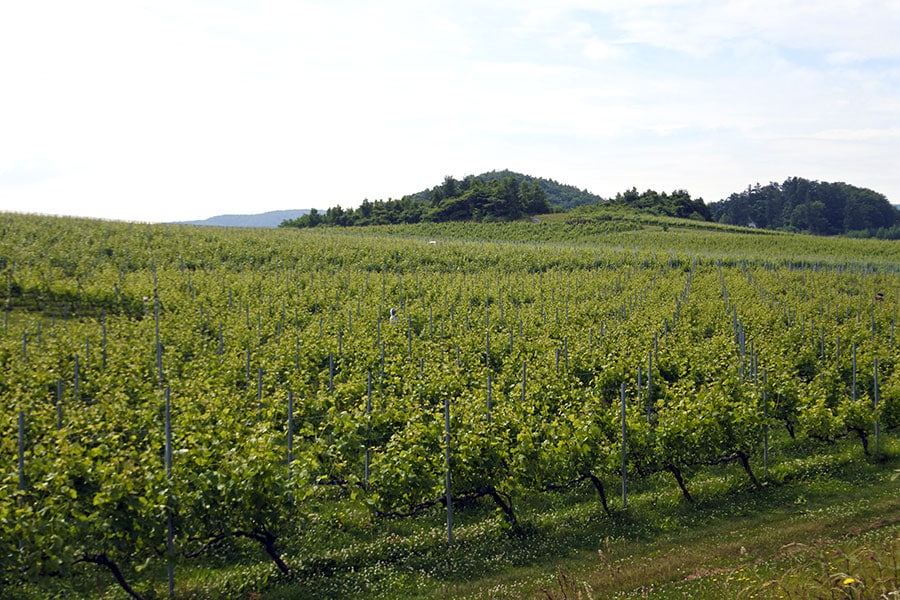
column 848, row 581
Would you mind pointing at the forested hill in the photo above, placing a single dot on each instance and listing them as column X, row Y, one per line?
column 816, row 207
column 677, row 204
column 559, row 195
column 504, row 198
column 497, row 196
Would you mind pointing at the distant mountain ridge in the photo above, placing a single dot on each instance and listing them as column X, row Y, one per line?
column 266, row 219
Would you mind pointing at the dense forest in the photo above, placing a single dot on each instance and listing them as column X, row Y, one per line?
column 560, row 196
column 470, row 199
column 815, row 207
column 677, row 204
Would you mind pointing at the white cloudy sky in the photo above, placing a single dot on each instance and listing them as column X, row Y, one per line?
column 182, row 109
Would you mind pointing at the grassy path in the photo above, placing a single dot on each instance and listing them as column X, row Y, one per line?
column 787, row 542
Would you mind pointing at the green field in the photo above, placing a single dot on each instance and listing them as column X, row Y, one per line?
column 236, row 408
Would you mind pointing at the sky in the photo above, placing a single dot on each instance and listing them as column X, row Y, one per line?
column 170, row 110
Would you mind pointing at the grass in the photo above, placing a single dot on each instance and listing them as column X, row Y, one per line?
column 735, row 541
column 767, row 555
column 719, row 550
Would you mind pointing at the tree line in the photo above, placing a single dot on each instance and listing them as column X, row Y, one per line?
column 815, row 207
column 470, row 199
column 677, row 204
column 798, row 205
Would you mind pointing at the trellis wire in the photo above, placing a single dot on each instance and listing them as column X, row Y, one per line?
column 489, row 398
column 76, row 391
column 21, row 465
column 624, row 454
column 59, row 411
column 259, row 388
column 875, row 407
column 159, row 365
column 170, row 526
column 290, row 433
column 368, row 429
column 21, row 450
column 330, row 373
column 524, row 380
column 650, row 382
column 447, row 463
column 765, row 423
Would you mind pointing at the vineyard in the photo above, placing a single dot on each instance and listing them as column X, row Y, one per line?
column 175, row 396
